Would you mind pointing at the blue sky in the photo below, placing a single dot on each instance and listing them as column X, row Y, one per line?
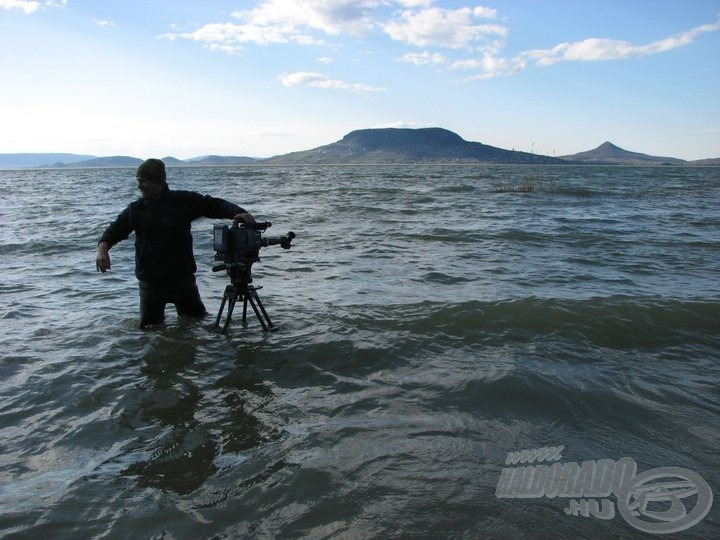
column 261, row 78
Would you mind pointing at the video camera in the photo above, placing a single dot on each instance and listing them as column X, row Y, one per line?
column 238, row 247
column 240, row 244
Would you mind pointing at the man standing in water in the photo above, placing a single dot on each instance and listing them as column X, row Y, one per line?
column 164, row 260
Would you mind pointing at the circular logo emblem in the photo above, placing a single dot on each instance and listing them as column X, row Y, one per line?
column 654, row 501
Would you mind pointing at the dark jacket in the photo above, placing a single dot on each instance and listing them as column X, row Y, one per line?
column 163, row 241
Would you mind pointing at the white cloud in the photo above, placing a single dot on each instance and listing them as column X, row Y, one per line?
column 104, row 23
column 230, row 37
column 414, row 3
column 470, row 37
column 400, row 124
column 425, row 58
column 594, row 49
column 28, row 6
column 443, row 27
column 489, row 67
column 331, row 17
column 310, row 22
column 22, row 5
column 318, row 80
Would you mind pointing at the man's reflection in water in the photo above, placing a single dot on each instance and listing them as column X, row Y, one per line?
column 184, row 422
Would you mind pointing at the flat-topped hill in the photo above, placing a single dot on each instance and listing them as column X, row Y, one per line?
column 398, row 145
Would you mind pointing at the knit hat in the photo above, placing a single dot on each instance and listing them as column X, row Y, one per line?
column 153, row 170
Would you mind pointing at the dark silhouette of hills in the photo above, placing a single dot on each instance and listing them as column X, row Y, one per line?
column 608, row 153
column 109, row 161
column 395, row 145
column 366, row 146
column 28, row 160
column 57, row 161
column 713, row 162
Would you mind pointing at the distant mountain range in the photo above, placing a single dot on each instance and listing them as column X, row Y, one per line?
column 366, row 146
column 76, row 161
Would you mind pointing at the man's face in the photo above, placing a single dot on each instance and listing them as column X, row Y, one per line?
column 149, row 189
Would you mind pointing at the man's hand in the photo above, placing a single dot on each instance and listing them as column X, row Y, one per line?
column 245, row 217
column 102, row 262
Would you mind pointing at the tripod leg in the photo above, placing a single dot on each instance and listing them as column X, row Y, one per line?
column 222, row 307
column 231, row 307
column 246, row 293
column 229, row 298
column 264, row 318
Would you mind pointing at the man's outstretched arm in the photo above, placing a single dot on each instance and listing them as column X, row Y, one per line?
column 117, row 231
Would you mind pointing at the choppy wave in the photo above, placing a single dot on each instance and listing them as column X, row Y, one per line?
column 431, row 320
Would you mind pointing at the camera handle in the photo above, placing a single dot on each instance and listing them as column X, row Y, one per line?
column 258, row 225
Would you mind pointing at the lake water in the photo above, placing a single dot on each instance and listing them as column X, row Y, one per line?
column 431, row 321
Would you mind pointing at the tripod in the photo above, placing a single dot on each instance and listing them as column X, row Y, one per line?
column 240, row 289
